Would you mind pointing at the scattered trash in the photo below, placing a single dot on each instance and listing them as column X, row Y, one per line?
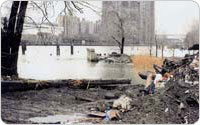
column 181, row 106
column 186, row 120
column 123, row 103
column 112, row 114
column 187, row 91
column 166, row 110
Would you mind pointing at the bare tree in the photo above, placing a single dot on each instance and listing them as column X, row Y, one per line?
column 156, row 41
column 160, row 41
column 12, row 32
column 192, row 36
column 120, row 28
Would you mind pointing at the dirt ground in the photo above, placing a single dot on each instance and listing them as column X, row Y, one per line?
column 18, row 107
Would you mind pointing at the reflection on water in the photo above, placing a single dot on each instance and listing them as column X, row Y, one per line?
column 41, row 62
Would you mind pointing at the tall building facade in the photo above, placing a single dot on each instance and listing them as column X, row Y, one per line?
column 137, row 17
column 74, row 26
column 70, row 25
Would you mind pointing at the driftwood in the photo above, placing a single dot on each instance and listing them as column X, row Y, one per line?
column 87, row 99
column 23, row 85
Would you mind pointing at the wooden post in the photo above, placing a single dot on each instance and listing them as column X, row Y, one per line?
column 58, row 50
column 23, row 48
column 122, row 45
column 72, row 48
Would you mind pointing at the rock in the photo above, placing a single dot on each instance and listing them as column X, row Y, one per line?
column 110, row 95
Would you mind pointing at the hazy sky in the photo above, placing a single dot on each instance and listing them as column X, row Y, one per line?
column 171, row 17
column 175, row 16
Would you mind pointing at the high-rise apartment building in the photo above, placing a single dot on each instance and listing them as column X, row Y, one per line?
column 137, row 16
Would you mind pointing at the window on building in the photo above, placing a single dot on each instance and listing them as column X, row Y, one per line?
column 125, row 3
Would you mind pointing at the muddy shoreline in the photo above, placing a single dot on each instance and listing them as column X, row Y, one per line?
column 19, row 107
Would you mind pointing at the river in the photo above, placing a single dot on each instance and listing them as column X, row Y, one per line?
column 42, row 63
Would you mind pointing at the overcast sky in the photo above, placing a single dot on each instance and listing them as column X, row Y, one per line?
column 171, row 17
column 175, row 16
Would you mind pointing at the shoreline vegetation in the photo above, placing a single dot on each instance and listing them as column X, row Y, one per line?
column 145, row 62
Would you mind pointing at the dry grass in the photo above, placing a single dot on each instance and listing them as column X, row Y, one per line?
column 143, row 63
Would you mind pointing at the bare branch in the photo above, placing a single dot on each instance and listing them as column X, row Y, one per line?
column 85, row 4
column 67, row 7
column 44, row 14
column 116, row 41
column 78, row 8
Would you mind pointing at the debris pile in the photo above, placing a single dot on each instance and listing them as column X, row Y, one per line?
column 118, row 58
column 114, row 57
column 180, row 94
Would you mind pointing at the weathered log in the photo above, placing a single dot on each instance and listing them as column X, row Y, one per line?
column 87, row 99
column 23, row 85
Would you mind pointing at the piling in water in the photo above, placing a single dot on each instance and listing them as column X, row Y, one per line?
column 58, row 50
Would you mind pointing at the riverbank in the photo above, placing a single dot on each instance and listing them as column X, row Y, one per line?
column 176, row 103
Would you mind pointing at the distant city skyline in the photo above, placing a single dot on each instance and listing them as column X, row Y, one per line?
column 171, row 17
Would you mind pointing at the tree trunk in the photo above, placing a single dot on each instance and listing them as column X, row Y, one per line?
column 162, row 50
column 156, row 50
column 16, row 41
column 156, row 46
column 7, row 38
column 150, row 50
column 122, row 45
column 17, row 38
column 13, row 37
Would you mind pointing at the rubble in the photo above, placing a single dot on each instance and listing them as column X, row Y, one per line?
column 118, row 58
column 181, row 92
